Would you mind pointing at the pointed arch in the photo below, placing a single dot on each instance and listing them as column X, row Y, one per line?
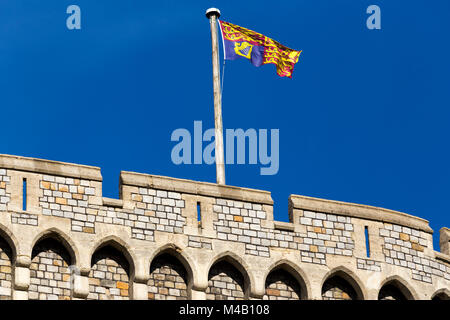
column 397, row 283
column 296, row 272
column 62, row 238
column 52, row 254
column 7, row 259
column 181, row 255
column 11, row 240
column 171, row 275
column 441, row 294
column 121, row 246
column 239, row 265
column 112, row 270
column 345, row 276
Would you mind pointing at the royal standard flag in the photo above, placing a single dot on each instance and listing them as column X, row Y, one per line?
column 240, row 42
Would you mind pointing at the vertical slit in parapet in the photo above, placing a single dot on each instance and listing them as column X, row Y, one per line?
column 24, row 194
column 366, row 231
column 199, row 215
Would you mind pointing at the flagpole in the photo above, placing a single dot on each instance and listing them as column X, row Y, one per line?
column 213, row 14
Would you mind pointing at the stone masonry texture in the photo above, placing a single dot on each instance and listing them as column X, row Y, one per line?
column 168, row 279
column 337, row 288
column 280, row 285
column 49, row 272
column 5, row 271
column 225, row 283
column 70, row 242
column 108, row 279
column 5, row 197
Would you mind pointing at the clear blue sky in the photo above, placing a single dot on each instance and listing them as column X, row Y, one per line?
column 365, row 118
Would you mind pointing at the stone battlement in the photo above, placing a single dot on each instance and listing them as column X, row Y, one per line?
column 168, row 238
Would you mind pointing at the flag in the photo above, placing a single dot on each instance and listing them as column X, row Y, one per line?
column 240, row 42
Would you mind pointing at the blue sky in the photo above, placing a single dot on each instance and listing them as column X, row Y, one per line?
column 365, row 118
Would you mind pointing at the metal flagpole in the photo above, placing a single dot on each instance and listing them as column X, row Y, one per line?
column 213, row 14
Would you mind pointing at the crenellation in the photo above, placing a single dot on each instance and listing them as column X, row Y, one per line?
column 155, row 211
column 67, row 198
column 405, row 247
column 326, row 234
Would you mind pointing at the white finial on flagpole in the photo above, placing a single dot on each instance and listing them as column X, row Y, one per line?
column 213, row 14
column 212, row 11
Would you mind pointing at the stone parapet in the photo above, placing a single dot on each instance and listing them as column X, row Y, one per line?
column 194, row 187
column 56, row 168
column 444, row 240
column 358, row 211
column 174, row 238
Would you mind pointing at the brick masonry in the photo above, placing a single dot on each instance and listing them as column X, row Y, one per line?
column 324, row 234
column 4, row 196
column 368, row 264
column 68, row 198
column 168, row 279
column 199, row 242
column 225, row 283
column 404, row 247
column 149, row 216
column 337, row 288
column 241, row 222
column 158, row 210
column 155, row 209
column 49, row 272
column 5, row 270
column 24, row 218
column 109, row 276
column 280, row 285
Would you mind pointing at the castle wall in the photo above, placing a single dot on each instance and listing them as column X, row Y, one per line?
column 281, row 285
column 168, row 279
column 49, row 272
column 109, row 276
column 225, row 282
column 150, row 244
column 5, row 271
